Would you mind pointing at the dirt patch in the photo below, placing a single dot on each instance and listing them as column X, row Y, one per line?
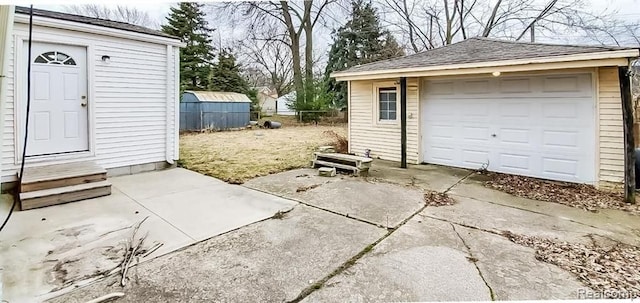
column 575, row 195
column 88, row 264
column 613, row 268
column 242, row 155
column 434, row 198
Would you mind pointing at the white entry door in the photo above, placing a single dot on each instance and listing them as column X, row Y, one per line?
column 538, row 126
column 58, row 117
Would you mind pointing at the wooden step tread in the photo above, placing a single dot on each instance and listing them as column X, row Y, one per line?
column 63, row 190
column 47, row 197
column 61, row 171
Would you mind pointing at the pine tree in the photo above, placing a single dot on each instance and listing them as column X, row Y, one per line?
column 226, row 76
column 187, row 23
column 361, row 40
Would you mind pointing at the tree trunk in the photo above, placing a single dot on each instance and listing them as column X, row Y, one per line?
column 295, row 53
column 308, row 54
column 298, row 83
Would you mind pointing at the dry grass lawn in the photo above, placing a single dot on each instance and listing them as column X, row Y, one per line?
column 237, row 156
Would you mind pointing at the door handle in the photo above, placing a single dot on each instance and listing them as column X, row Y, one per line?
column 493, row 135
column 83, row 104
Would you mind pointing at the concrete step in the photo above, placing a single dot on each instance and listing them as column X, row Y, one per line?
column 65, row 194
column 61, row 175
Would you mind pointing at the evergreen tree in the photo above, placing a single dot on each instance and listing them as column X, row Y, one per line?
column 187, row 23
column 361, row 40
column 226, row 76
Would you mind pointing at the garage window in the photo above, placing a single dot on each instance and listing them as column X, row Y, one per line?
column 387, row 100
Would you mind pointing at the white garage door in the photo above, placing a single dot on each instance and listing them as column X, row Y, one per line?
column 541, row 126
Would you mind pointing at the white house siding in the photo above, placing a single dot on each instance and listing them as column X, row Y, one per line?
column 8, row 138
column 382, row 140
column 611, row 133
column 129, row 97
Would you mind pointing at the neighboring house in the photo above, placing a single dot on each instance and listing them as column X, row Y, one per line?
column 282, row 104
column 540, row 110
column 214, row 110
column 103, row 92
column 267, row 99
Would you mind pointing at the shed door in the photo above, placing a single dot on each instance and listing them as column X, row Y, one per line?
column 541, row 126
column 58, row 117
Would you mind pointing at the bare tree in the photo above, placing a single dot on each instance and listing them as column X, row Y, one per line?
column 273, row 59
column 431, row 23
column 294, row 24
column 119, row 13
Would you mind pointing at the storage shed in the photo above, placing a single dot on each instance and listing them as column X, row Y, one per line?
column 213, row 110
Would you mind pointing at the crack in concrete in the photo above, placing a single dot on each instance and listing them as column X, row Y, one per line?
column 474, row 260
column 352, row 261
column 321, row 208
column 531, row 211
column 459, row 181
column 464, row 225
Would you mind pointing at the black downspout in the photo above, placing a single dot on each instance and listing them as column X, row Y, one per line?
column 629, row 145
column 403, row 122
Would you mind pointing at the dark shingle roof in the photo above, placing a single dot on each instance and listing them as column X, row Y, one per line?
column 93, row 21
column 475, row 50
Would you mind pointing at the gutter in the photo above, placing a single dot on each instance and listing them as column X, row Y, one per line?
column 168, row 148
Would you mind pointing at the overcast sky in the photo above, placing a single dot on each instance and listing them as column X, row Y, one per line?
column 627, row 10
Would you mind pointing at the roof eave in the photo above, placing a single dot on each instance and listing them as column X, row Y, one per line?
column 97, row 29
column 617, row 57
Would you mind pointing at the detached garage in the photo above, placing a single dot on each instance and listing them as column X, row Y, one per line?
column 540, row 110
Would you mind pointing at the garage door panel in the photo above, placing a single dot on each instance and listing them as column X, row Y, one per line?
column 514, row 109
column 474, row 158
column 518, row 162
column 562, row 168
column 442, row 131
column 443, row 154
column 476, row 133
column 517, row 85
column 442, row 111
column 560, row 139
column 476, row 87
column 557, row 84
column 514, row 135
column 441, row 88
column 544, row 126
column 473, row 110
column 563, row 110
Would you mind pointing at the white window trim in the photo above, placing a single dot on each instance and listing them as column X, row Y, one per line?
column 376, row 103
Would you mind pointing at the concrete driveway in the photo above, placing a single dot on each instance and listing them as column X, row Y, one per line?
column 362, row 240
column 50, row 250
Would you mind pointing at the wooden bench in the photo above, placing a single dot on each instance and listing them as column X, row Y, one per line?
column 359, row 165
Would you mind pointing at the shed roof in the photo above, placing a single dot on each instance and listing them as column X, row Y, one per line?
column 94, row 21
column 220, row 96
column 477, row 50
